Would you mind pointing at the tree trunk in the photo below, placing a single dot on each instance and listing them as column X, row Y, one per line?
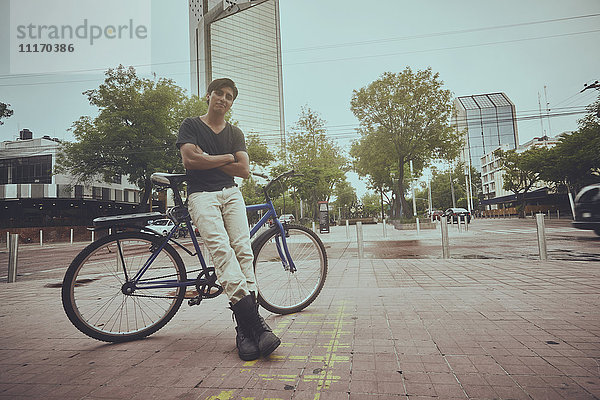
column 144, row 206
column 400, row 206
column 521, row 201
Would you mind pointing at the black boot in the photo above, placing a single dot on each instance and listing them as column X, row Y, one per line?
column 246, row 313
column 247, row 347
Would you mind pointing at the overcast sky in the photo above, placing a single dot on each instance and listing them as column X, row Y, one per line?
column 333, row 47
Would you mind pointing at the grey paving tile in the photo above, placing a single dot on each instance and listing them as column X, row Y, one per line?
column 453, row 328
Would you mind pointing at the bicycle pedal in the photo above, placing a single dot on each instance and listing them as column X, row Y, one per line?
column 195, row 301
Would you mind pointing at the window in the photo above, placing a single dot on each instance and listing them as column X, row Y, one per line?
column 96, row 192
column 36, row 169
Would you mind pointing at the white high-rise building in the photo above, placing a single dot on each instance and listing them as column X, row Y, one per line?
column 240, row 39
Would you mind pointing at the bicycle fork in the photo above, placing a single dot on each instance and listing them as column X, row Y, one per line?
column 284, row 252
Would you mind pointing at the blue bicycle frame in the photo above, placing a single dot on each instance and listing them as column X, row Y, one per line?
column 288, row 263
column 280, row 243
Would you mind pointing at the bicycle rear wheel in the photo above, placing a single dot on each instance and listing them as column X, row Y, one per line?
column 280, row 290
column 92, row 290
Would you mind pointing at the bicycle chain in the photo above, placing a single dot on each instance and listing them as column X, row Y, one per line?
column 161, row 277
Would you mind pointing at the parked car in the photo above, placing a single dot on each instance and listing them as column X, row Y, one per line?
column 587, row 208
column 435, row 215
column 284, row 219
column 287, row 218
column 454, row 213
column 160, row 226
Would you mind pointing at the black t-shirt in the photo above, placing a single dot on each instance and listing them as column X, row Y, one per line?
column 228, row 141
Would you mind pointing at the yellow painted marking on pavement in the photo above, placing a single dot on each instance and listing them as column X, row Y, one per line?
column 272, row 377
column 224, row 395
column 250, row 363
column 324, row 378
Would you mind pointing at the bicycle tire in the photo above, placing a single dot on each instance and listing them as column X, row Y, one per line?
column 279, row 290
column 92, row 293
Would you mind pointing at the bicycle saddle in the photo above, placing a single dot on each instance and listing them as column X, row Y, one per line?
column 165, row 179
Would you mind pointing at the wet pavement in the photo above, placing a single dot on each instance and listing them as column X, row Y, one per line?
column 501, row 326
column 485, row 239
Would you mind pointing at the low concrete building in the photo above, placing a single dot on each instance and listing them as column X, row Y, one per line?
column 31, row 194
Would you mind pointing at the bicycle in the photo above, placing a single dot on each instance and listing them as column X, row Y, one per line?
column 130, row 283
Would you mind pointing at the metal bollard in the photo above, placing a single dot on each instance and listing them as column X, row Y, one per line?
column 71, row 235
column 384, row 230
column 41, row 237
column 557, row 214
column 418, row 226
column 313, row 227
column 13, row 253
column 347, row 230
column 359, row 240
column 7, row 238
column 541, row 234
column 92, row 236
column 445, row 241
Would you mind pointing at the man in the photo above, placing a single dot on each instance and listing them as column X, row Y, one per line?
column 213, row 153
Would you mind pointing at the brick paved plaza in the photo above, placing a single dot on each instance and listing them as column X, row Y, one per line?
column 381, row 329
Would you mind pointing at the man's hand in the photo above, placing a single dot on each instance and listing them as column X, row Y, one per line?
column 239, row 167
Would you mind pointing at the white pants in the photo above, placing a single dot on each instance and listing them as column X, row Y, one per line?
column 221, row 220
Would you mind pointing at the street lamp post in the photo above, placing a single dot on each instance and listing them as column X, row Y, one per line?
column 412, row 185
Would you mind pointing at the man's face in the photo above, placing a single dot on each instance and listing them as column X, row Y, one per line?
column 221, row 99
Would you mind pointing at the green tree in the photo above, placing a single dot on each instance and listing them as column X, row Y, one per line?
column 371, row 203
column 575, row 161
column 441, row 190
column 316, row 157
column 258, row 151
column 5, row 112
column 380, row 172
column 522, row 171
column 253, row 194
column 134, row 133
column 459, row 174
column 403, row 117
column 345, row 196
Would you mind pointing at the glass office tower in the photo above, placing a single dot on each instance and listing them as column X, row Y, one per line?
column 487, row 121
column 246, row 47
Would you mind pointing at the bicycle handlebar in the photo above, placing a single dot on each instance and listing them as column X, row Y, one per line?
column 259, row 175
column 284, row 175
column 278, row 178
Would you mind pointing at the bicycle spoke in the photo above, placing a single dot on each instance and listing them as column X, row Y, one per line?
column 284, row 291
column 97, row 304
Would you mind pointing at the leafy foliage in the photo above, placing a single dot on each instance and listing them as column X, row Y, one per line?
column 371, row 203
column 5, row 112
column 315, row 156
column 134, row 133
column 522, row 171
column 345, row 196
column 403, row 117
column 575, row 160
column 258, row 151
column 441, row 188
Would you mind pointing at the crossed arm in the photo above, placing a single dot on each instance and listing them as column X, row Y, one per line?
column 195, row 158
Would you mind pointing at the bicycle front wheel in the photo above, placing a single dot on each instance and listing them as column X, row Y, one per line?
column 281, row 289
column 96, row 301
